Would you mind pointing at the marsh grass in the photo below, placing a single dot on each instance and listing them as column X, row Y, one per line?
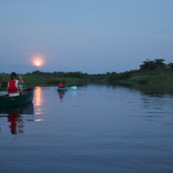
column 146, row 80
column 42, row 80
column 162, row 81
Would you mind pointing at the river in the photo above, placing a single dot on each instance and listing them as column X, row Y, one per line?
column 94, row 129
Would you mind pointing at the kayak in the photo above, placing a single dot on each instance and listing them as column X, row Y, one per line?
column 62, row 89
column 25, row 97
column 73, row 87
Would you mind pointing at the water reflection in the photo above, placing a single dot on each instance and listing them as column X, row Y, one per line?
column 159, row 103
column 16, row 123
column 17, row 116
column 38, row 100
column 158, row 92
column 73, row 93
column 38, row 94
column 61, row 94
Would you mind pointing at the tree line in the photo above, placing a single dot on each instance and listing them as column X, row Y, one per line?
column 155, row 64
column 78, row 78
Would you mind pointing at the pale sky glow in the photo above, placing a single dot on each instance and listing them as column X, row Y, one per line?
column 91, row 36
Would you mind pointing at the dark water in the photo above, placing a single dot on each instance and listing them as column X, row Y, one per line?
column 94, row 129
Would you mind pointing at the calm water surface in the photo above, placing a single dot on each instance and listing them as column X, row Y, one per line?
column 95, row 129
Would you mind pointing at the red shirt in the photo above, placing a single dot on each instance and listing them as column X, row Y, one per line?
column 60, row 85
column 13, row 86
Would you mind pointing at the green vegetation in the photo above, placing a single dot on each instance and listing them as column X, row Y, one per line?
column 38, row 78
column 153, row 75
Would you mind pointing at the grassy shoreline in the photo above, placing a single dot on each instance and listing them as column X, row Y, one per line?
column 152, row 76
column 156, row 81
column 44, row 79
column 147, row 81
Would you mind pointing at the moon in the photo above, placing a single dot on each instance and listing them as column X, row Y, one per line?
column 38, row 61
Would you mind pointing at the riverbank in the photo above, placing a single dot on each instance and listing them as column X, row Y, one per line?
column 150, row 81
column 160, row 81
column 38, row 78
column 152, row 76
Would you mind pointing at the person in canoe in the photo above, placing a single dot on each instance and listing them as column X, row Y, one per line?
column 13, row 86
column 61, row 85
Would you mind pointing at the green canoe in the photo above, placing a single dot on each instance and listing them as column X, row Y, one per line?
column 25, row 97
column 62, row 89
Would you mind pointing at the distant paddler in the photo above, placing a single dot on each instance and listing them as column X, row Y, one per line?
column 73, row 87
column 61, row 87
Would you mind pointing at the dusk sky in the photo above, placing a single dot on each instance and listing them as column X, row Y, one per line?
column 91, row 36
